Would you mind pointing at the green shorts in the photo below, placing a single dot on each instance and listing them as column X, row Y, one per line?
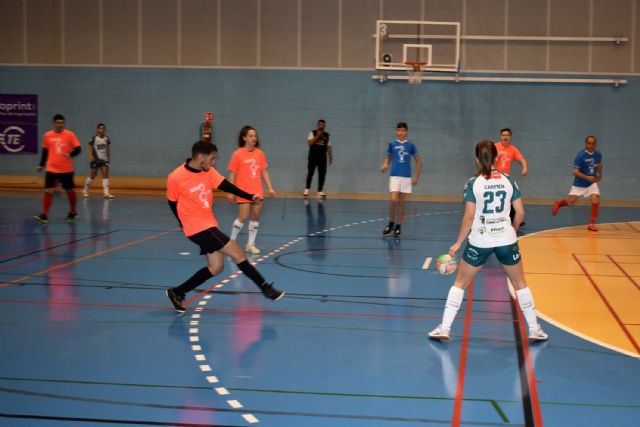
column 507, row 255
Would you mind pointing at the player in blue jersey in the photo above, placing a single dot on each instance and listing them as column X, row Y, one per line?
column 587, row 172
column 399, row 154
column 488, row 198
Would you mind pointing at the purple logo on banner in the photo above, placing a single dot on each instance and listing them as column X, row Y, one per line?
column 18, row 124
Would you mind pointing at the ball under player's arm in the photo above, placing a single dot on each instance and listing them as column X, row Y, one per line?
column 518, row 206
column 267, row 180
column 385, row 163
column 465, row 227
column 418, row 160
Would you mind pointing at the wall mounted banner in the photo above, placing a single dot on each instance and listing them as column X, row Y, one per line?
column 18, row 124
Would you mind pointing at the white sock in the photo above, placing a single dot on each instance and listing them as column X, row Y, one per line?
column 87, row 184
column 454, row 300
column 253, row 232
column 105, row 186
column 236, row 228
column 525, row 299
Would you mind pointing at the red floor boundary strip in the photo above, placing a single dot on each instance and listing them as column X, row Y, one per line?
column 86, row 257
column 624, row 271
column 462, row 365
column 531, row 376
column 609, row 306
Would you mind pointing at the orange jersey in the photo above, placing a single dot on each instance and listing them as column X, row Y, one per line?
column 248, row 167
column 192, row 190
column 506, row 155
column 60, row 145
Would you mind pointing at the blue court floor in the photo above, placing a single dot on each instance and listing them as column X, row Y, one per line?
column 89, row 338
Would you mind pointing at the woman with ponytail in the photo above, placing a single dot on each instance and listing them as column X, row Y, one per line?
column 488, row 198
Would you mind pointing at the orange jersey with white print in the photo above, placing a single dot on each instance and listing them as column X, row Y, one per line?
column 506, row 156
column 60, row 145
column 248, row 167
column 193, row 190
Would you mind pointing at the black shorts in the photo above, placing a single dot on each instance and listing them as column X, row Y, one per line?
column 210, row 240
column 51, row 179
column 98, row 164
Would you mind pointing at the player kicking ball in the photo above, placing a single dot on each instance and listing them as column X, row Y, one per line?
column 190, row 196
column 488, row 198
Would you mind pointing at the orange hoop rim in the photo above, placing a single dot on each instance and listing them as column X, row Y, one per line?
column 416, row 65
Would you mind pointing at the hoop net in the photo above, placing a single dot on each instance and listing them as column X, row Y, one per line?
column 414, row 70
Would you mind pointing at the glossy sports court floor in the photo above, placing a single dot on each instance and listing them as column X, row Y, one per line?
column 89, row 339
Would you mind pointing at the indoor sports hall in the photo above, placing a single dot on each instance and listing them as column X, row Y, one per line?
column 89, row 336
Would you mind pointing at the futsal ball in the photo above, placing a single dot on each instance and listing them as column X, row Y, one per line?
column 446, row 264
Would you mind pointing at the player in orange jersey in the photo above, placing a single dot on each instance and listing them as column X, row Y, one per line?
column 58, row 147
column 507, row 153
column 190, row 196
column 247, row 167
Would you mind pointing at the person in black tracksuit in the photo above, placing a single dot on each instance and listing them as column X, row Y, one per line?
column 319, row 153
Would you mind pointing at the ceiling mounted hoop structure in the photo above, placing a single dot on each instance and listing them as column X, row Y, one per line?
column 414, row 70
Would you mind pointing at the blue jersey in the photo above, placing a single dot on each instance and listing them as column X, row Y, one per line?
column 401, row 153
column 587, row 163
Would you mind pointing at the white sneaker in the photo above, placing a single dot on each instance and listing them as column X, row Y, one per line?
column 440, row 333
column 85, row 194
column 537, row 334
column 321, row 195
column 109, row 196
column 251, row 249
column 305, row 193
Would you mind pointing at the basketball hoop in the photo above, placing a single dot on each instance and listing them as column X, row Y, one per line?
column 414, row 69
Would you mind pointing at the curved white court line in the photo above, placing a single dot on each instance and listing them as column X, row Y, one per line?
column 561, row 325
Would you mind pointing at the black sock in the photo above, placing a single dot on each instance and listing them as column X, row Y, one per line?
column 193, row 282
column 391, row 224
column 253, row 274
column 398, row 226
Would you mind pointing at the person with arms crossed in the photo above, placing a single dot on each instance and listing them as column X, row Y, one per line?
column 320, row 151
column 487, row 201
column 99, row 150
column 190, row 196
column 587, row 172
column 399, row 154
column 59, row 146
column 507, row 153
column 247, row 167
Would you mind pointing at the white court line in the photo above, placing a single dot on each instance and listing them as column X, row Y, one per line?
column 250, row 418
column 427, row 263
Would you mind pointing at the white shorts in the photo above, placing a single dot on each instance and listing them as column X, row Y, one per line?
column 399, row 184
column 584, row 191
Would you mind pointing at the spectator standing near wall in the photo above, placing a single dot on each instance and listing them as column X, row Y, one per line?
column 320, row 153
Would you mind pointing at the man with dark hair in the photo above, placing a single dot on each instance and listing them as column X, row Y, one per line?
column 399, row 154
column 190, row 196
column 58, row 147
column 319, row 152
column 507, row 153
